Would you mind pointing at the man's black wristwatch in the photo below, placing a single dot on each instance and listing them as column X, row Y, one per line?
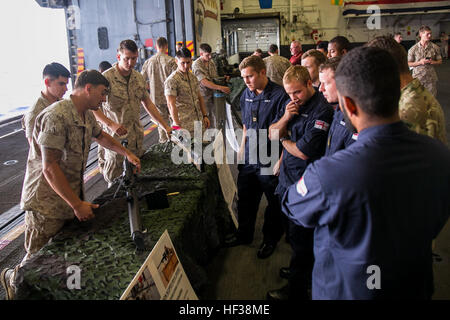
column 285, row 138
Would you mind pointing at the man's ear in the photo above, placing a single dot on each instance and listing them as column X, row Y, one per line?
column 87, row 88
column 47, row 82
column 349, row 105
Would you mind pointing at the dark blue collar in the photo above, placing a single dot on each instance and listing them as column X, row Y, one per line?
column 382, row 130
column 267, row 89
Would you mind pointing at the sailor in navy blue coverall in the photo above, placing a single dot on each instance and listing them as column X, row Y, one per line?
column 260, row 104
column 377, row 205
column 339, row 135
column 303, row 125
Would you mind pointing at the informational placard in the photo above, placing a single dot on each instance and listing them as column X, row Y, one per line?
column 161, row 277
column 227, row 183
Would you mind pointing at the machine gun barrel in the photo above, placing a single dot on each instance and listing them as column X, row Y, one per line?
column 128, row 179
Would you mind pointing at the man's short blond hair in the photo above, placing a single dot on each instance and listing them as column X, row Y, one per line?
column 318, row 56
column 254, row 62
column 296, row 73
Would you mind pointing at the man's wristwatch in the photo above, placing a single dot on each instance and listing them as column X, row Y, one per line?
column 285, row 138
column 205, row 116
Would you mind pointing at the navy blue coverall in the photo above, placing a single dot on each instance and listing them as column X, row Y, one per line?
column 376, row 206
column 309, row 132
column 258, row 113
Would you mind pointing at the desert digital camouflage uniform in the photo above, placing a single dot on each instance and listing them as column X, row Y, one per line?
column 123, row 106
column 426, row 73
column 29, row 117
column 208, row 72
column 155, row 71
column 421, row 111
column 58, row 127
column 185, row 88
column 276, row 66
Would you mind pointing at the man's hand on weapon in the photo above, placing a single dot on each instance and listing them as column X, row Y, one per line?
column 118, row 129
column 83, row 210
column 225, row 89
column 206, row 122
column 134, row 160
column 168, row 131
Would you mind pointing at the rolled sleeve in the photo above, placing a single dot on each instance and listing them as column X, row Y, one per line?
column 411, row 55
column 145, row 95
column 96, row 129
column 28, row 124
column 52, row 133
column 200, row 74
column 170, row 88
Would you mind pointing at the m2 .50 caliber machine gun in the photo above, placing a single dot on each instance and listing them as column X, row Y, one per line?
column 155, row 200
column 128, row 181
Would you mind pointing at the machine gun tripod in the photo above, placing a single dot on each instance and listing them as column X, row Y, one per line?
column 127, row 181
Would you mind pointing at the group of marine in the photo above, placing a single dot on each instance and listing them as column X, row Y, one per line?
column 362, row 185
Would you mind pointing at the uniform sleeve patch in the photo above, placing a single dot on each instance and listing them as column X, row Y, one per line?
column 301, row 187
column 355, row 136
column 322, row 125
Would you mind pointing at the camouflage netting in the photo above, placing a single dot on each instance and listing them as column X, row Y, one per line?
column 197, row 220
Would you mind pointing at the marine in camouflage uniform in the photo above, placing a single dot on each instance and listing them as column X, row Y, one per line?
column 155, row 71
column 185, row 87
column 53, row 190
column 58, row 127
column 56, row 77
column 276, row 66
column 422, row 113
column 30, row 117
column 120, row 115
column 205, row 70
column 425, row 73
column 123, row 106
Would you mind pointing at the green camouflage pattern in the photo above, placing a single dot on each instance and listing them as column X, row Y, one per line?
column 196, row 220
column 421, row 112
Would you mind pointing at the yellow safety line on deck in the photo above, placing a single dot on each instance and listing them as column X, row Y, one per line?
column 12, row 235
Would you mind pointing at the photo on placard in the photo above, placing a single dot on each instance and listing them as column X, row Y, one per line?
column 145, row 288
column 166, row 263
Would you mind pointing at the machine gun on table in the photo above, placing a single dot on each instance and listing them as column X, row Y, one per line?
column 127, row 181
column 155, row 200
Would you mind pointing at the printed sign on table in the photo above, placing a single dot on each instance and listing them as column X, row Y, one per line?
column 161, row 277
